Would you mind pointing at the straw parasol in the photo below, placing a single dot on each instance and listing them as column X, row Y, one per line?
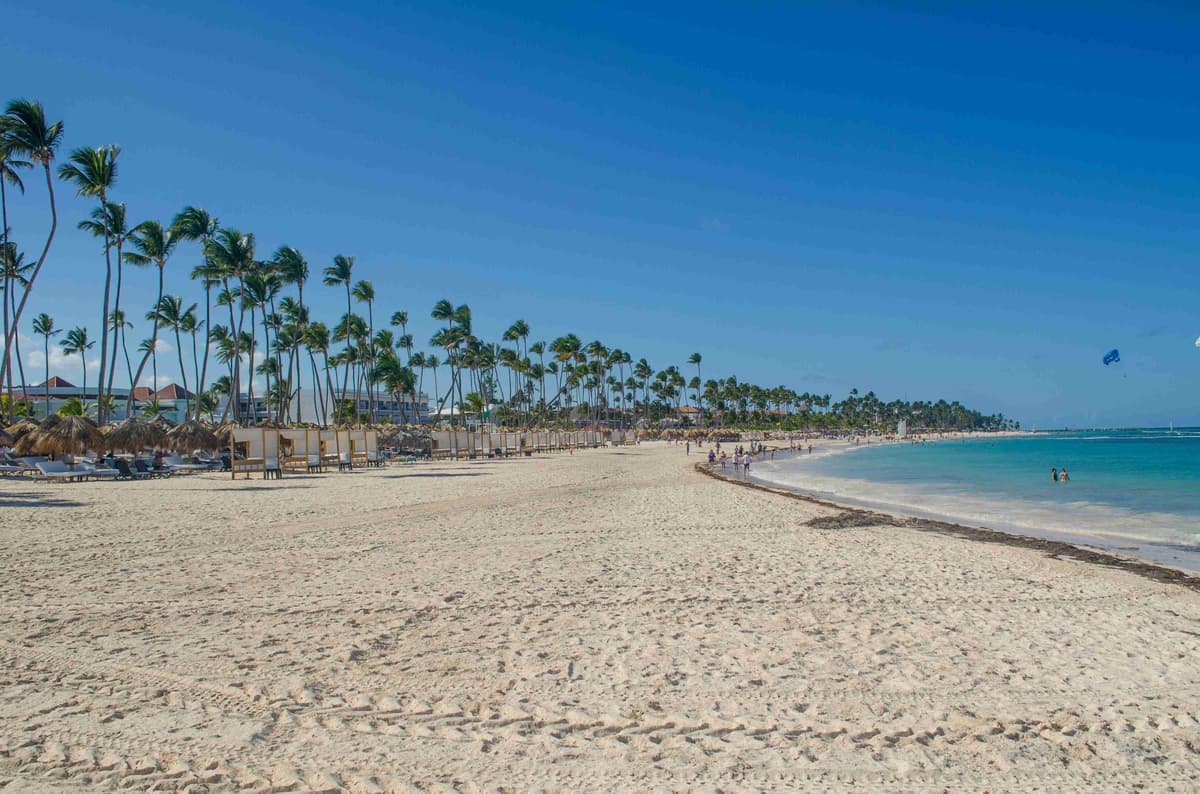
column 134, row 435
column 191, row 435
column 69, row 435
column 29, row 441
column 22, row 428
column 5, row 439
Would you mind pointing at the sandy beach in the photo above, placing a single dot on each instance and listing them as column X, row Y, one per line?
column 611, row 620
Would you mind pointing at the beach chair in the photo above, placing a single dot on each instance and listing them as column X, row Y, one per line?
column 178, row 464
column 142, row 467
column 57, row 471
column 97, row 472
column 125, row 472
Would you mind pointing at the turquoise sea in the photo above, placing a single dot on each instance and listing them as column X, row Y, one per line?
column 1132, row 490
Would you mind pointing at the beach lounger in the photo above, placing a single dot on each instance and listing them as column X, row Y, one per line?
column 97, row 472
column 126, row 472
column 59, row 471
column 178, row 464
column 144, row 468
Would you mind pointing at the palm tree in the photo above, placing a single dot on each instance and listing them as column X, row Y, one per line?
column 364, row 292
column 316, row 339
column 170, row 312
column 25, row 132
column 9, row 165
column 152, row 244
column 13, row 274
column 109, row 223
column 93, row 171
column 232, row 256
column 76, row 341
column 340, row 272
column 695, row 358
column 43, row 325
column 190, row 324
column 118, row 322
column 292, row 268
column 193, row 223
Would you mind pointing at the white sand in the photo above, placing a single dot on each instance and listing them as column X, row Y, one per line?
column 611, row 620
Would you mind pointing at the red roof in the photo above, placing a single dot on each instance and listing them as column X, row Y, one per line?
column 142, row 393
column 689, row 409
column 173, row 392
column 56, row 382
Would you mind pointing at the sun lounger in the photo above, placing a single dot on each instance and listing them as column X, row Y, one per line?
column 59, row 471
column 144, row 468
column 178, row 464
column 125, row 472
column 97, row 472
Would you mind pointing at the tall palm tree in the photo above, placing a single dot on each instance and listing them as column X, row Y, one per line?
column 43, row 325
column 153, row 245
column 190, row 324
column 341, row 272
column 76, row 341
column 292, row 268
column 232, row 255
column 26, row 133
column 93, row 171
column 193, row 223
column 316, row 339
column 695, row 358
column 13, row 274
column 171, row 313
column 10, row 164
column 109, row 222
column 364, row 292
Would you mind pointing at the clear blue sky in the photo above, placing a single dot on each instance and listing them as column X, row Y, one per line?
column 971, row 205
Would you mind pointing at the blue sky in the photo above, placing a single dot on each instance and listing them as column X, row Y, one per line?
column 941, row 204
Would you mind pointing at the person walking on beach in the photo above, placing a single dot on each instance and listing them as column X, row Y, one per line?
column 1054, row 474
column 724, row 460
column 688, row 448
column 746, row 466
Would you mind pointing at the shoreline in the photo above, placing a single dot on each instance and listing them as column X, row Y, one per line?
column 856, row 516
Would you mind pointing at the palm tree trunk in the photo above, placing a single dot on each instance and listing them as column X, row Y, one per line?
column 5, row 363
column 182, row 371
column 112, row 368
column 20, row 367
column 196, row 371
column 104, row 318
column 152, row 353
column 250, row 369
column 235, row 365
column 346, row 377
column 7, row 285
column 46, row 382
column 207, row 328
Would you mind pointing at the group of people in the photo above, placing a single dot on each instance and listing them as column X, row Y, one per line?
column 1059, row 475
column 740, row 460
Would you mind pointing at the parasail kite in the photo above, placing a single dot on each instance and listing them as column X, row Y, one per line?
column 1111, row 357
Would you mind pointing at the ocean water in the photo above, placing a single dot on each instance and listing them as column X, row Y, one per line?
column 1136, row 491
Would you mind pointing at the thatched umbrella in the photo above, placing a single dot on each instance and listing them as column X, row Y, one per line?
column 191, row 435
column 134, row 435
column 29, row 441
column 70, row 435
column 20, row 429
column 5, row 439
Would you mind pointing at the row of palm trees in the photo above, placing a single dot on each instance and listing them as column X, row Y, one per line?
column 252, row 318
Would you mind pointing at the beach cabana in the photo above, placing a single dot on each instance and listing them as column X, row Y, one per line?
column 371, row 438
column 344, row 461
column 358, row 447
column 440, row 444
column 328, row 449
column 259, row 448
column 300, row 449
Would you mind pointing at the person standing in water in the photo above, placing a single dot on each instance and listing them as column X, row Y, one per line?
column 1054, row 474
column 1062, row 475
